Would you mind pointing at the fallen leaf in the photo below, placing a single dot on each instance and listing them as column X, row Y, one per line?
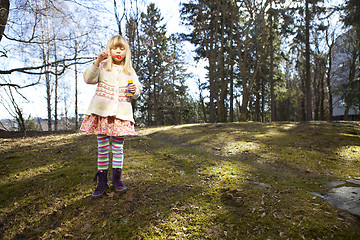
column 104, row 223
column 276, row 215
column 129, row 199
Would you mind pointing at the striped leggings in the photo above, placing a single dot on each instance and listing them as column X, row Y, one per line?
column 104, row 150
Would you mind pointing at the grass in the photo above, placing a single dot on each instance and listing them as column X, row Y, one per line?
column 203, row 181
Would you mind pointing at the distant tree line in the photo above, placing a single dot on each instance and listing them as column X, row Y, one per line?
column 266, row 60
column 271, row 59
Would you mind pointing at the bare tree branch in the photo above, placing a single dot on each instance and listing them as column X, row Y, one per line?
column 18, row 86
column 43, row 42
column 27, row 70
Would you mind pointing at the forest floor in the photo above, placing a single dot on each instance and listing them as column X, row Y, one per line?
column 202, row 181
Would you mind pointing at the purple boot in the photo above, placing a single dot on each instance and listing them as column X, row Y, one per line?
column 102, row 184
column 116, row 180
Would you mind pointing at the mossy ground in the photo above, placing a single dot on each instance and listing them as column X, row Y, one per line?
column 203, row 181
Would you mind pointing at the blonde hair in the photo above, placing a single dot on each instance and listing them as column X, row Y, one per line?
column 119, row 41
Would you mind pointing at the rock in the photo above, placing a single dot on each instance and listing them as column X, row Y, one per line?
column 333, row 184
column 354, row 181
column 261, row 185
column 345, row 198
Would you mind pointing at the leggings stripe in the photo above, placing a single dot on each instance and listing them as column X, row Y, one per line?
column 103, row 152
column 117, row 149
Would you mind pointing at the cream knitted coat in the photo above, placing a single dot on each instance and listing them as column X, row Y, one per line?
column 111, row 98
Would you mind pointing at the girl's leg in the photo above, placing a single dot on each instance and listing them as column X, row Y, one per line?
column 117, row 150
column 103, row 165
column 103, row 152
column 118, row 157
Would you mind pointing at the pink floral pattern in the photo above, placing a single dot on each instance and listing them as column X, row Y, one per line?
column 109, row 126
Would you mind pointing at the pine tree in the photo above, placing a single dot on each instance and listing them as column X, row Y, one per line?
column 152, row 67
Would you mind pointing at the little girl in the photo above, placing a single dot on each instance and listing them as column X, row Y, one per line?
column 110, row 112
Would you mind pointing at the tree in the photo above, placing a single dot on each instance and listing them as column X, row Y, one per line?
column 40, row 29
column 4, row 13
column 351, row 14
column 308, row 92
column 330, row 45
column 176, row 100
column 153, row 63
column 346, row 82
column 24, row 31
column 13, row 107
column 203, row 18
column 249, row 64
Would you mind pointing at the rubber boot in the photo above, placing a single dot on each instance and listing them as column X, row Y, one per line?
column 116, row 180
column 102, row 184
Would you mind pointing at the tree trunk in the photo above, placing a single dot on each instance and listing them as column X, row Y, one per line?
column 257, row 100
column 76, row 88
column 248, row 82
column 56, row 93
column 202, row 105
column 307, row 64
column 263, row 115
column 213, row 82
column 272, row 94
column 315, row 83
column 243, row 108
column 322, row 95
column 48, row 100
column 346, row 112
column 223, row 79
column 231, row 93
column 328, row 82
column 45, row 54
column 4, row 13
column 76, row 99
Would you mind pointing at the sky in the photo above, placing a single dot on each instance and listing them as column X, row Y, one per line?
column 36, row 105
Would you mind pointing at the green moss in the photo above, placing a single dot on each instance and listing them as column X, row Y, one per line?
column 206, row 181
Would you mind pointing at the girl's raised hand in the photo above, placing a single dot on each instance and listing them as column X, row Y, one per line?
column 101, row 57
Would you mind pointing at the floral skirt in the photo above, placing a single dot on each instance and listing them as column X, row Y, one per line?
column 109, row 126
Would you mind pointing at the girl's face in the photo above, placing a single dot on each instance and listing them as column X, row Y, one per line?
column 118, row 54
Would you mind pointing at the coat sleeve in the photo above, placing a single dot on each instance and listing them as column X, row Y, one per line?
column 138, row 87
column 91, row 74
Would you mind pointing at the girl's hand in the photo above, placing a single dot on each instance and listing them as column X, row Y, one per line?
column 132, row 88
column 101, row 57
